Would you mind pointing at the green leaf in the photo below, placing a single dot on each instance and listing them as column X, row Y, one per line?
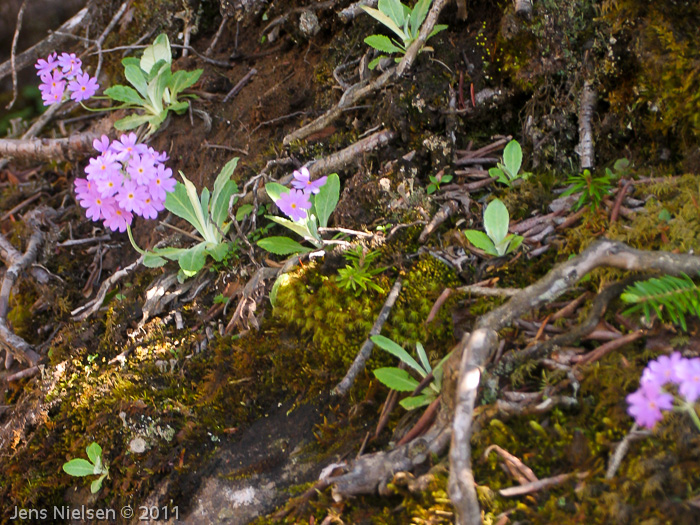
column 131, row 61
column 153, row 261
column 243, row 211
column 411, row 403
column 498, row 174
column 219, row 251
column 384, row 19
column 438, row 28
column 515, row 243
column 159, row 50
column 481, row 241
column 94, row 452
column 204, row 199
column 181, row 80
column 496, row 221
column 124, row 94
column 300, row 229
column 282, row 245
column 275, row 190
column 374, row 63
column 224, row 187
column 131, row 122
column 179, row 107
column 383, row 44
column 179, row 203
column 423, row 357
column 96, row 485
column 390, row 346
column 513, row 157
column 136, row 78
column 202, row 223
column 327, row 199
column 394, row 9
column 396, row 379
column 79, row 467
column 282, row 280
column 193, row 259
column 420, row 11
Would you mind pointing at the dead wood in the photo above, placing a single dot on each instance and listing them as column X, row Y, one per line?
column 69, row 148
column 541, row 484
column 585, row 147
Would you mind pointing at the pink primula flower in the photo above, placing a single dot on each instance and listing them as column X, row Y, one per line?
column 294, row 204
column 646, row 404
column 302, row 181
column 83, row 87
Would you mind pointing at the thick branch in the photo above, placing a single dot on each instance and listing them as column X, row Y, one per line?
column 48, row 149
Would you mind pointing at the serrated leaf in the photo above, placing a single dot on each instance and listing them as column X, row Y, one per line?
column 384, row 19
column 382, row 43
column 327, row 199
column 159, row 50
column 131, row 122
column 411, row 403
column 79, row 467
column 124, row 94
column 496, row 221
column 513, row 157
column 390, row 346
column 94, row 452
column 396, row 379
column 281, row 245
column 481, row 241
column 193, row 259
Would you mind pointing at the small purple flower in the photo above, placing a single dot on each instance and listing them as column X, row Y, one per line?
column 119, row 220
column 97, row 206
column 150, row 208
column 302, row 181
column 83, row 187
column 664, row 369
column 131, row 197
column 162, row 184
column 52, row 97
column 689, row 380
column 141, row 169
column 646, row 404
column 69, row 63
column 128, row 145
column 102, row 166
column 83, row 87
column 101, row 144
column 109, row 184
column 294, row 204
column 46, row 67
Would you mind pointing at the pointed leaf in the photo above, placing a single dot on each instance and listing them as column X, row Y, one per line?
column 390, row 346
column 423, row 357
column 219, row 251
column 436, row 30
column 496, row 221
column 136, row 78
column 224, row 187
column 181, row 80
column 420, row 11
column 327, row 199
column 300, row 229
column 179, row 203
column 79, row 467
column 201, row 214
column 396, row 379
column 382, row 43
column 281, row 245
column 96, row 485
column 513, row 157
column 515, row 243
column 384, row 19
column 131, row 122
column 394, row 9
column 153, row 261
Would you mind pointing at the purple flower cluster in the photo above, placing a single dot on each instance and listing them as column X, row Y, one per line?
column 646, row 404
column 295, row 203
column 127, row 178
column 63, row 73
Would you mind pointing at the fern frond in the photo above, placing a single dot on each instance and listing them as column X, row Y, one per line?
column 674, row 297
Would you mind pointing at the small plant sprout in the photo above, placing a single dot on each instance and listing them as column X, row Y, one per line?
column 435, row 181
column 403, row 21
column 308, row 204
column 594, row 189
column 94, row 467
column 508, row 171
column 155, row 87
column 207, row 214
column 358, row 275
column 401, row 381
column 496, row 240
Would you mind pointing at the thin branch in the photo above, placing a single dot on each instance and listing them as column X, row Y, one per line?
column 359, row 364
column 13, row 53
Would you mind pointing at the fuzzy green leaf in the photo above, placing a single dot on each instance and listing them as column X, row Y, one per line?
column 327, row 199
column 219, row 251
column 481, row 241
column 136, row 78
column 178, row 202
column 181, row 80
column 159, row 50
column 96, row 485
column 420, row 11
column 394, row 9
column 513, row 157
column 496, row 221
column 79, row 467
column 411, row 403
column 124, row 94
column 94, row 452
column 131, row 122
column 275, row 190
column 384, row 19
column 193, row 259
column 224, row 187
column 396, row 379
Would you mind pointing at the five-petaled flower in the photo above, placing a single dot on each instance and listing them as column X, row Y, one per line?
column 302, row 181
column 294, row 204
